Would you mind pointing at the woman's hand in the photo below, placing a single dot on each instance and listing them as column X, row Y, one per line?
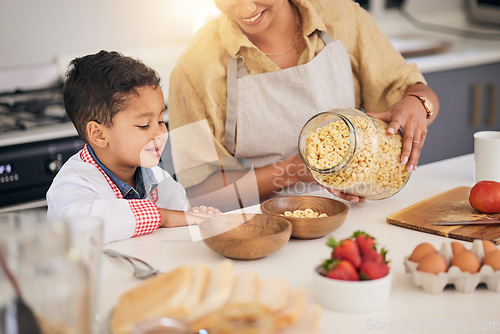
column 347, row 197
column 410, row 115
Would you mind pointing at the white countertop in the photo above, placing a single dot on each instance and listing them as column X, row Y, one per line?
column 464, row 51
column 410, row 309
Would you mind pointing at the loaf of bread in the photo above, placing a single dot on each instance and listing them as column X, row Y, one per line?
column 197, row 295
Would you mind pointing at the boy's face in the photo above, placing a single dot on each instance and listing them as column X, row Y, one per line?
column 138, row 134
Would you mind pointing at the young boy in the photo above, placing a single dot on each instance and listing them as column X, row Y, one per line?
column 117, row 106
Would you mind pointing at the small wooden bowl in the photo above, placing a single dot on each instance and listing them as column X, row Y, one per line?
column 245, row 236
column 308, row 228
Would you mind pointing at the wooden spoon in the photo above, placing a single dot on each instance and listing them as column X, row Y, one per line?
column 26, row 321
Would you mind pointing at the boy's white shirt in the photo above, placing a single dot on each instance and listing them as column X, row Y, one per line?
column 80, row 189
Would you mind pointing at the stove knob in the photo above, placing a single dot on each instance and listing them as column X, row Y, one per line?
column 55, row 165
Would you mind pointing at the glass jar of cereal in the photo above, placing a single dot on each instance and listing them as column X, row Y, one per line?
column 347, row 150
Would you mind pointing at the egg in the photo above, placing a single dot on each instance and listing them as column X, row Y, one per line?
column 421, row 250
column 456, row 247
column 488, row 246
column 433, row 263
column 466, row 261
column 492, row 259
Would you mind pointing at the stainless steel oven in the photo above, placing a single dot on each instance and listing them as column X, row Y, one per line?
column 36, row 136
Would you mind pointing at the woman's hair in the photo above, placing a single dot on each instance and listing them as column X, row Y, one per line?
column 98, row 86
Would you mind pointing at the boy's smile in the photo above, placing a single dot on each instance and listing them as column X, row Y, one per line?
column 154, row 151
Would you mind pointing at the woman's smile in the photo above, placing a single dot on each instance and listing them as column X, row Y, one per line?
column 253, row 18
column 256, row 19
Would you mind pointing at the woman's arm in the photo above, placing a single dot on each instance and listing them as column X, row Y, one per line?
column 229, row 190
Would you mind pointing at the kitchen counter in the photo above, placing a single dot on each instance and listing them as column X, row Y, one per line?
column 462, row 52
column 410, row 309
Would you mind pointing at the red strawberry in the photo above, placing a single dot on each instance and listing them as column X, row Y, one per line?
column 373, row 270
column 365, row 241
column 346, row 249
column 372, row 255
column 342, row 270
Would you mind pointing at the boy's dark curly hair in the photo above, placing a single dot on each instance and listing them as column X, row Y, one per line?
column 99, row 85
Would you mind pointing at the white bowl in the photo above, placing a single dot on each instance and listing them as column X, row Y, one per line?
column 352, row 296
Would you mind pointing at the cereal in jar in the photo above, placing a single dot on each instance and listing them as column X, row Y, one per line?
column 349, row 151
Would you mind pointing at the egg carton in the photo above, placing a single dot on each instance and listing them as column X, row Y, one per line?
column 463, row 281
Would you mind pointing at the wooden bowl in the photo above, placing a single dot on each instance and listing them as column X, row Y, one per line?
column 245, row 236
column 308, row 228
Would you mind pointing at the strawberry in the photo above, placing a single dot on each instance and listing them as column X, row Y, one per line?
column 346, row 249
column 355, row 258
column 372, row 255
column 373, row 270
column 340, row 269
column 365, row 241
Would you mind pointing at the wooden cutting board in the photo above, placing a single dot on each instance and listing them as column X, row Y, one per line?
column 451, row 205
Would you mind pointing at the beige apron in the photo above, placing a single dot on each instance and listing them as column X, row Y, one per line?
column 265, row 112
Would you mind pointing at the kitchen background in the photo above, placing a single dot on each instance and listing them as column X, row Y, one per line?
column 42, row 32
column 39, row 38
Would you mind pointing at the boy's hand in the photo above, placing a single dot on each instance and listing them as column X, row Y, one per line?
column 206, row 210
column 198, row 213
column 174, row 218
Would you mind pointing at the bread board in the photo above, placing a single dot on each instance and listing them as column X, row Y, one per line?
column 451, row 205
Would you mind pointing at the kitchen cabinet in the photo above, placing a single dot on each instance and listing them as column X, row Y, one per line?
column 469, row 103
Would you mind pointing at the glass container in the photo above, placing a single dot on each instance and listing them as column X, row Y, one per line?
column 51, row 283
column 349, row 151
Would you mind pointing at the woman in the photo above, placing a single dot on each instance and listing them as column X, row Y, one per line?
column 255, row 75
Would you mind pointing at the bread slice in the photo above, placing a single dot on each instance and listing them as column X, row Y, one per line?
column 308, row 322
column 274, row 293
column 196, row 290
column 218, row 290
column 156, row 297
column 245, row 290
column 293, row 309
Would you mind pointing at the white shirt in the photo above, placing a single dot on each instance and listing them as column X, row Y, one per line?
column 82, row 189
